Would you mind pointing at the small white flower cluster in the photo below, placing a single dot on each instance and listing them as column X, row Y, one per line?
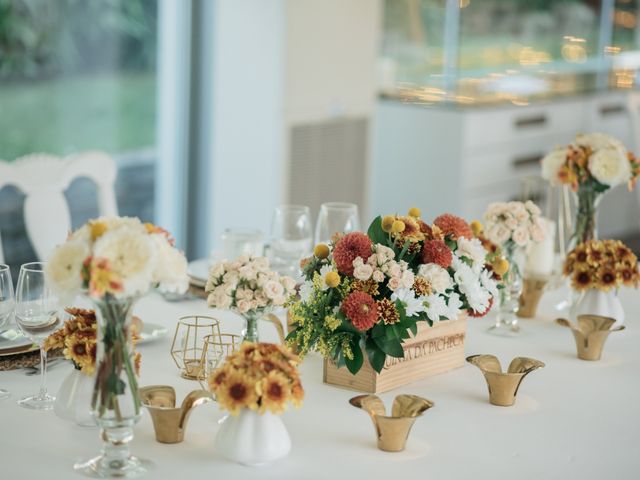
column 608, row 163
column 247, row 284
column 380, row 265
column 515, row 221
column 120, row 256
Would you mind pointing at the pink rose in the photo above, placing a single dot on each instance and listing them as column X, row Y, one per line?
column 273, row 289
column 394, row 283
column 378, row 276
column 521, row 236
column 363, row 271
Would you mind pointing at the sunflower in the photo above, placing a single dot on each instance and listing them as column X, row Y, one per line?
column 607, row 279
column 236, row 393
column 581, row 280
column 297, row 393
column 629, row 276
column 79, row 348
column 275, row 393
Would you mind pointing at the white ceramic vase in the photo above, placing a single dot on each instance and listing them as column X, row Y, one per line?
column 252, row 439
column 598, row 302
column 73, row 401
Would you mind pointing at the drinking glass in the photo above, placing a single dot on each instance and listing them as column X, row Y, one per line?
column 291, row 238
column 241, row 241
column 36, row 315
column 6, row 306
column 336, row 217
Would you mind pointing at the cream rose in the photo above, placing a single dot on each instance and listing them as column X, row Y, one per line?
column 609, row 166
column 64, row 268
column 551, row 164
column 521, row 236
column 273, row 289
column 363, row 271
column 498, row 234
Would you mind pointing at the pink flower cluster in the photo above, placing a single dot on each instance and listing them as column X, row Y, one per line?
column 380, row 265
column 516, row 221
column 247, row 284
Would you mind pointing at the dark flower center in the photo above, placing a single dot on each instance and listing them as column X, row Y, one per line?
column 238, row 391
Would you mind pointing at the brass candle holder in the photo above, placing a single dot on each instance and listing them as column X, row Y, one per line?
column 169, row 421
column 532, row 290
column 216, row 349
column 503, row 387
column 392, row 431
column 590, row 334
column 188, row 343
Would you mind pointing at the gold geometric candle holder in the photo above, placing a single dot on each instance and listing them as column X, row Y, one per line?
column 590, row 334
column 188, row 344
column 216, row 349
column 503, row 387
column 392, row 432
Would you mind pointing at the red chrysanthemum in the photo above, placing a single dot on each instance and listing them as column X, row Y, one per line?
column 436, row 251
column 361, row 309
column 473, row 313
column 352, row 245
column 453, row 226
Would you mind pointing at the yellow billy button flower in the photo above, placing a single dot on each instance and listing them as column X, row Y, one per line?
column 398, row 226
column 414, row 212
column 321, row 250
column 332, row 279
column 501, row 266
column 476, row 227
column 387, row 222
column 97, row 229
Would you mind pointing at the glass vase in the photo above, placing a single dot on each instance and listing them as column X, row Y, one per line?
column 115, row 401
column 250, row 330
column 585, row 224
column 73, row 400
column 507, row 319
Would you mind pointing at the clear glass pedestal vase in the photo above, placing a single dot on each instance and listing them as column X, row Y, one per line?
column 115, row 400
column 73, row 400
column 506, row 322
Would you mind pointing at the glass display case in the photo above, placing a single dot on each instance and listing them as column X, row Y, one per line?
column 487, row 51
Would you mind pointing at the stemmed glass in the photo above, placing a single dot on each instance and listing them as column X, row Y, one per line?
column 6, row 306
column 36, row 315
column 291, row 238
column 336, row 217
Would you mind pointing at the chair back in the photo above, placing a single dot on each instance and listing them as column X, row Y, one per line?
column 43, row 179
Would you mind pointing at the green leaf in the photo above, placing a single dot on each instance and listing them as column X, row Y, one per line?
column 393, row 348
column 375, row 232
column 405, row 247
column 354, row 365
column 378, row 330
column 375, row 355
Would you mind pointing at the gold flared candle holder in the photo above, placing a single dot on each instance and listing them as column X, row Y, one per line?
column 392, row 431
column 503, row 386
column 169, row 420
column 188, row 344
column 216, row 349
column 590, row 334
column 532, row 290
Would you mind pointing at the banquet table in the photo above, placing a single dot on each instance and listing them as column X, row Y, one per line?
column 572, row 419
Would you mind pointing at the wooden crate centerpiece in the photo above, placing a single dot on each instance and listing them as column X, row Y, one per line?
column 431, row 351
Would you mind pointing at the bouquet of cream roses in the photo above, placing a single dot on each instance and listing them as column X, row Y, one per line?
column 119, row 257
column 516, row 222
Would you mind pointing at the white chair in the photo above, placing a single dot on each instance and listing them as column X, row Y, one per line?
column 43, row 179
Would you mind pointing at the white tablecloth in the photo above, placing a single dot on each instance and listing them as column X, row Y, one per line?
column 572, row 419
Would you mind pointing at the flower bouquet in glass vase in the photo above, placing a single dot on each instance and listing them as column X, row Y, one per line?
column 592, row 165
column 255, row 385
column 513, row 226
column 114, row 261
column 365, row 294
column 249, row 287
column 597, row 268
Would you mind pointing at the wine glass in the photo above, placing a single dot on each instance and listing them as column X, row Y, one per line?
column 336, row 217
column 291, row 238
column 6, row 306
column 36, row 315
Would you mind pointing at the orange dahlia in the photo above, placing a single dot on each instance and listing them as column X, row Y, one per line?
column 348, row 248
column 361, row 309
column 436, row 251
column 453, row 226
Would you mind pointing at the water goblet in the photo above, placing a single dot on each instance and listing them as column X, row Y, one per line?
column 336, row 217
column 7, row 305
column 291, row 238
column 36, row 313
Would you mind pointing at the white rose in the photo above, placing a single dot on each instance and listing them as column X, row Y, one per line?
column 498, row 234
column 610, row 167
column 363, row 271
column 598, row 141
column 378, row 276
column 243, row 306
column 273, row 289
column 64, row 268
column 437, row 277
column 217, row 270
column 249, row 272
column 521, row 236
column 532, row 208
column 551, row 164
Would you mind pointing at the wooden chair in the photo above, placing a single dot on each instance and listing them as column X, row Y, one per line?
column 43, row 179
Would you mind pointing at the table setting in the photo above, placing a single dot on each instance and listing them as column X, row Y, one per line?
column 251, row 362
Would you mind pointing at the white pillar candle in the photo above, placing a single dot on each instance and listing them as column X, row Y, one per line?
column 540, row 257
